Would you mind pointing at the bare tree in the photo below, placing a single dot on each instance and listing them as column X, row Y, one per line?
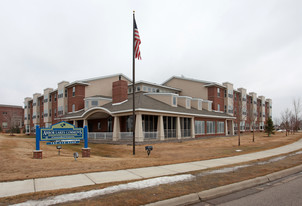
column 286, row 117
column 296, row 113
column 292, row 122
column 251, row 116
column 239, row 109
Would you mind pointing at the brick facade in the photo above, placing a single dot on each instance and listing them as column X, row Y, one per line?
column 76, row 98
column 11, row 116
column 119, row 91
column 217, row 99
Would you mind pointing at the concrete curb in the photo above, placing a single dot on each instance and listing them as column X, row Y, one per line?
column 227, row 189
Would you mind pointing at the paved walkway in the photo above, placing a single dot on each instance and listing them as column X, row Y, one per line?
column 70, row 181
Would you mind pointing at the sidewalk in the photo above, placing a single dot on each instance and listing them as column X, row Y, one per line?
column 61, row 182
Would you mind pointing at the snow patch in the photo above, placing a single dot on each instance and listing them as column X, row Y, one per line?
column 108, row 190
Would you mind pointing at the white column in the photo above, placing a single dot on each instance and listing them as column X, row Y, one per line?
column 75, row 123
column 232, row 128
column 193, row 127
column 85, row 123
column 160, row 128
column 226, row 127
column 139, row 128
column 116, row 128
column 178, row 130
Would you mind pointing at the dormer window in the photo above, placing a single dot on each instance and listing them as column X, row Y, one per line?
column 174, row 101
column 188, row 103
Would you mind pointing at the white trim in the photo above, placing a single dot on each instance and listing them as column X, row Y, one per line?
column 157, row 85
column 188, row 79
column 170, row 112
column 154, row 93
column 105, row 77
column 99, row 98
column 119, row 103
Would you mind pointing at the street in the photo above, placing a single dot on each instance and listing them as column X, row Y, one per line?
column 286, row 191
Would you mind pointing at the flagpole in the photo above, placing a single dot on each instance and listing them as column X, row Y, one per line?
column 133, row 89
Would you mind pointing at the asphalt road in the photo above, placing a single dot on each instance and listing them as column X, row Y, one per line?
column 286, row 191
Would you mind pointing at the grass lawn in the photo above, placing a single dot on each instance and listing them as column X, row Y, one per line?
column 17, row 163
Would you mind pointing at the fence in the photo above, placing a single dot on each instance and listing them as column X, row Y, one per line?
column 100, row 135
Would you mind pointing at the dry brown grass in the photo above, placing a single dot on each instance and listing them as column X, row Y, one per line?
column 17, row 162
column 161, row 192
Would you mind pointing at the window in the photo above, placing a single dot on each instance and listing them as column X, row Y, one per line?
column 144, row 88
column 55, row 97
column 65, row 92
column 174, row 100
column 86, row 104
column 99, row 125
column 49, row 112
column 49, row 97
column 45, row 99
column 199, row 127
column 45, row 113
column 129, row 123
column 60, row 94
column 73, row 91
column 55, row 112
column 138, row 88
column 188, row 103
column 210, row 127
column 218, row 92
column 210, row 106
column 4, row 124
column 73, row 107
column 220, row 127
column 109, row 129
column 199, row 104
column 94, row 103
column 218, row 107
column 149, row 123
column 230, row 93
column 60, row 110
column 4, row 112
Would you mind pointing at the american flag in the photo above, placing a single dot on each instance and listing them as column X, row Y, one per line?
column 137, row 42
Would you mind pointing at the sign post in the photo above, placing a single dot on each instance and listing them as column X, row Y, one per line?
column 61, row 133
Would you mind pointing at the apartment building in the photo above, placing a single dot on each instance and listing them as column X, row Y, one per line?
column 178, row 108
column 249, row 110
column 11, row 116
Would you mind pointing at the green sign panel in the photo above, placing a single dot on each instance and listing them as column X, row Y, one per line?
column 61, row 131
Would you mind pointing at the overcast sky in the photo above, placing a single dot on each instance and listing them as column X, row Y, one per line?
column 254, row 44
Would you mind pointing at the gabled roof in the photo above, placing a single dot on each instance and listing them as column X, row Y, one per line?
column 188, row 79
column 157, row 85
column 149, row 104
column 104, row 77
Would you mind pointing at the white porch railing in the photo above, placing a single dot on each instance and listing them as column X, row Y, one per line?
column 186, row 133
column 170, row 133
column 126, row 135
column 151, row 135
column 100, row 135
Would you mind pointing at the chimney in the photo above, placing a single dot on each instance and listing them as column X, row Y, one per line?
column 119, row 91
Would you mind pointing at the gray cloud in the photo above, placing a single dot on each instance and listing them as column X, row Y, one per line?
column 253, row 44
